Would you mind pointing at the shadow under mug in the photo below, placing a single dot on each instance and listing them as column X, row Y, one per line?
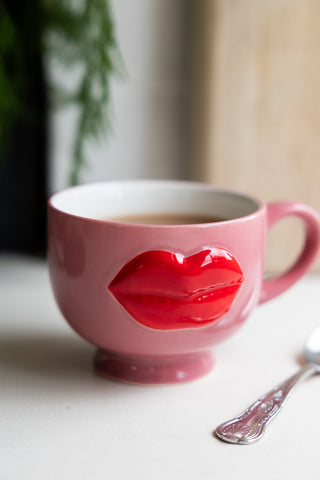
column 155, row 299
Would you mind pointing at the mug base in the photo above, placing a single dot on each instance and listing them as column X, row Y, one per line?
column 158, row 370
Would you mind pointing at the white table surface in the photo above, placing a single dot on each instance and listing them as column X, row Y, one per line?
column 58, row 420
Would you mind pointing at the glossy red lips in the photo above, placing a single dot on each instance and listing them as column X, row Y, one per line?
column 167, row 291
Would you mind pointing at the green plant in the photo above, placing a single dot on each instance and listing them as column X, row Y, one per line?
column 9, row 103
column 76, row 34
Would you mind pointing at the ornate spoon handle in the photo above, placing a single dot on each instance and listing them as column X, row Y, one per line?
column 250, row 425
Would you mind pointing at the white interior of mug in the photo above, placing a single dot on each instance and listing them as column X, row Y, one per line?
column 138, row 197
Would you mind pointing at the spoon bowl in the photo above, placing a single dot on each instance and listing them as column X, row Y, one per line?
column 312, row 349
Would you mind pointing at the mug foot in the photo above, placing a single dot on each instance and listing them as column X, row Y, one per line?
column 153, row 370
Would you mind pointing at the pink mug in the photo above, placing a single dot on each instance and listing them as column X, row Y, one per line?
column 155, row 298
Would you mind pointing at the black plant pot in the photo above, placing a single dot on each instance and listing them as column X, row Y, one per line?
column 23, row 168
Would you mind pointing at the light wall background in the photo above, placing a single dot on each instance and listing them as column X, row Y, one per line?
column 149, row 104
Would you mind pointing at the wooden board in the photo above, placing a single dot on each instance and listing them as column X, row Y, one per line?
column 256, row 105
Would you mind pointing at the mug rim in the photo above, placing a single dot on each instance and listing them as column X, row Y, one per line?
column 204, row 186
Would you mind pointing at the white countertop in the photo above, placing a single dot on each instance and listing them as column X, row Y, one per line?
column 60, row 421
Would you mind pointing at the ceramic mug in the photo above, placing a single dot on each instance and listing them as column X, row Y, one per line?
column 155, row 299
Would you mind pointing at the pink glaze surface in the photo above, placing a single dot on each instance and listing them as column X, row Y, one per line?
column 87, row 262
column 154, row 370
column 311, row 221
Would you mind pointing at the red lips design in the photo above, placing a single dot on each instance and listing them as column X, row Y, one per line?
column 167, row 291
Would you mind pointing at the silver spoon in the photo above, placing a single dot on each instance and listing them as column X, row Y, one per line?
column 251, row 424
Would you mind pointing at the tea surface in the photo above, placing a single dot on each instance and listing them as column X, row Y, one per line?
column 166, row 219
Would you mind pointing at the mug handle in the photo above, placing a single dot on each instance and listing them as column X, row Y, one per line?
column 311, row 220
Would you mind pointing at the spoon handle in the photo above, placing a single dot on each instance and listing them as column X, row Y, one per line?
column 250, row 425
